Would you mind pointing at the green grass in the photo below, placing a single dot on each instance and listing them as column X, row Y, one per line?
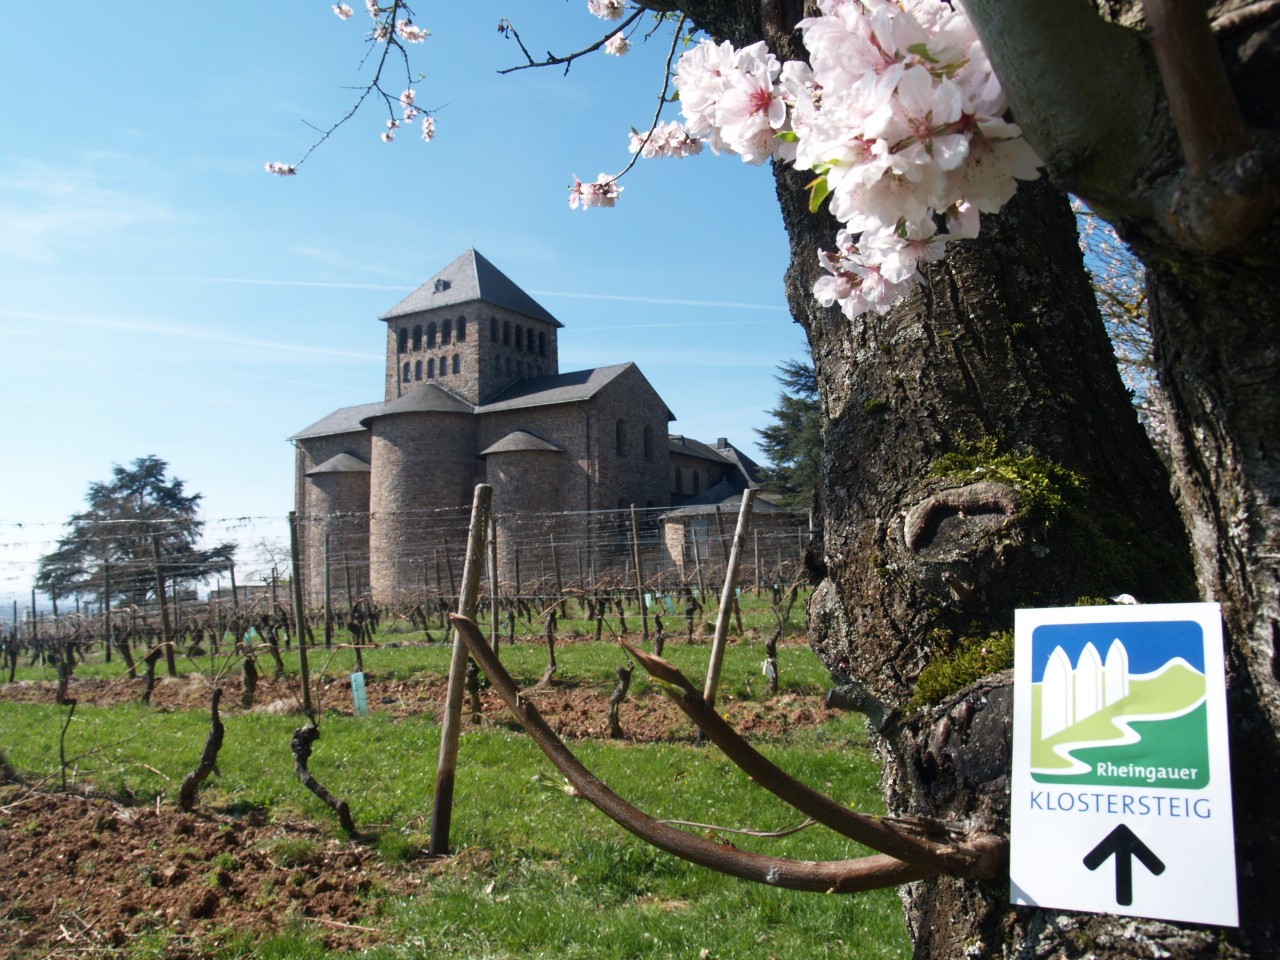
column 558, row 879
column 405, row 652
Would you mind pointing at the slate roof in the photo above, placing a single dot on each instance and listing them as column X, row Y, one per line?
column 470, row 278
column 428, row 398
column 749, row 468
column 722, row 495
column 342, row 420
column 690, row 447
column 560, row 388
column 521, row 441
column 342, row 463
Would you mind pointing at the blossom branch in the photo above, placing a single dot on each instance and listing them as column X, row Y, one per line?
column 506, row 28
column 837, row 876
column 389, row 27
column 662, row 100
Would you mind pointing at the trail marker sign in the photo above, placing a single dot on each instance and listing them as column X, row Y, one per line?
column 1121, row 790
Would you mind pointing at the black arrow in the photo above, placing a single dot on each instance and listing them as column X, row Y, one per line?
column 1124, row 843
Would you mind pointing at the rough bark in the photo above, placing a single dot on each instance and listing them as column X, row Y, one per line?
column 1003, row 341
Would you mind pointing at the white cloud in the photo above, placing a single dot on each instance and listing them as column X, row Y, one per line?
column 46, row 209
column 168, row 328
column 666, row 301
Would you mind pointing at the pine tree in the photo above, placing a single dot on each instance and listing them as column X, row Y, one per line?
column 793, row 441
column 114, row 537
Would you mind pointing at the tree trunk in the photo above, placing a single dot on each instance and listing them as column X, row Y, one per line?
column 1003, row 342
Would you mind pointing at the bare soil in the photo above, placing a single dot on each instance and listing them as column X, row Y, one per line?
column 86, row 876
column 574, row 711
column 83, row 876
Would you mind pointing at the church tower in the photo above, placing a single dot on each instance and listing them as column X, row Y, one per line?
column 469, row 330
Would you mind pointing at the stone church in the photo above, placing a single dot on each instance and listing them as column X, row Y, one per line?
column 473, row 394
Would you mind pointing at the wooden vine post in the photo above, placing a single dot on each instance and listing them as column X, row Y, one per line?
column 299, row 627
column 328, row 597
column 451, row 723
column 493, row 583
column 166, row 633
column 726, row 599
column 555, row 563
column 635, row 552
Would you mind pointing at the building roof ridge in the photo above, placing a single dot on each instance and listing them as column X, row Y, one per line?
column 471, row 278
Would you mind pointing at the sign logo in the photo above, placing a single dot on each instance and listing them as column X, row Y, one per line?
column 1120, row 793
column 1119, row 704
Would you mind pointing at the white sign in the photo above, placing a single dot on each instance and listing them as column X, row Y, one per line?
column 1121, row 792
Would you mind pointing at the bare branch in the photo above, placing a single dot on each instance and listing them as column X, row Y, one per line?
column 1203, row 108
column 839, row 876
column 506, row 28
column 981, row 856
column 390, row 42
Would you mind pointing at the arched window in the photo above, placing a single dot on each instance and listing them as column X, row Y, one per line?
column 403, row 343
column 446, row 331
column 542, row 344
column 417, row 370
column 417, row 337
column 405, row 376
column 506, row 333
column 431, row 369
column 697, row 483
column 444, row 366
column 462, row 329
column 457, row 363
column 679, row 481
column 519, row 337
column 493, row 329
column 620, row 438
column 648, row 443
column 431, row 334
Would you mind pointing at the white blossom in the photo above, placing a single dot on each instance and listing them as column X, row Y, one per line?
column 665, row 140
column 607, row 9
column 603, row 193
column 343, row 10
column 617, row 45
column 410, row 33
column 899, row 115
column 281, row 169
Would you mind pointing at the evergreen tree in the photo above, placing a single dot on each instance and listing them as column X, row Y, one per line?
column 139, row 506
column 793, row 441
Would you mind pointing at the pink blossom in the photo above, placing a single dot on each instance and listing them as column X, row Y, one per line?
column 853, row 281
column 603, row 193
column 410, row 33
column 665, row 140
column 281, row 169
column 899, row 251
column 428, row 128
column 343, row 10
column 617, row 45
column 607, row 9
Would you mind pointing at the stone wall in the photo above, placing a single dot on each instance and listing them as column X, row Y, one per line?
column 491, row 334
column 313, row 506
column 424, row 472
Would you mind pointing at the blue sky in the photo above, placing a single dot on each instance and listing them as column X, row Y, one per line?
column 161, row 294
